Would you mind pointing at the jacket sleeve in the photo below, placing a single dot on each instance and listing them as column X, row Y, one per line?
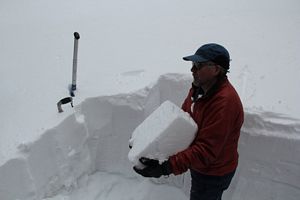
column 209, row 141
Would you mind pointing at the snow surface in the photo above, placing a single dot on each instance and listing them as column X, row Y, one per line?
column 167, row 131
column 86, row 154
column 125, row 46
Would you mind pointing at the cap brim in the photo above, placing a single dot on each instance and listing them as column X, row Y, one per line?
column 195, row 58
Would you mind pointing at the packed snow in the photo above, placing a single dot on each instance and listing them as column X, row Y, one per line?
column 167, row 131
column 86, row 154
column 125, row 52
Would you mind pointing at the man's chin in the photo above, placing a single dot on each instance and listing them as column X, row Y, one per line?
column 196, row 83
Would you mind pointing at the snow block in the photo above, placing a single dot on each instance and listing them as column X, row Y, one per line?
column 165, row 132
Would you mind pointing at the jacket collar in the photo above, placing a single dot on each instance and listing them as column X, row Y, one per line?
column 198, row 92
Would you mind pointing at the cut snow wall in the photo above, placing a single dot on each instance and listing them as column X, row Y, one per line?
column 110, row 122
column 96, row 137
column 269, row 165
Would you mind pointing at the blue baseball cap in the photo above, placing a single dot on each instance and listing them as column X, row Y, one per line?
column 211, row 52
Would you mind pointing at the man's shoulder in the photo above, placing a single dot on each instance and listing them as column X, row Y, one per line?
column 227, row 90
column 227, row 95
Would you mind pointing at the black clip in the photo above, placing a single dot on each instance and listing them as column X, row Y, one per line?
column 64, row 101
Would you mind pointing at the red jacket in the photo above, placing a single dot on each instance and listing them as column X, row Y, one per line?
column 219, row 116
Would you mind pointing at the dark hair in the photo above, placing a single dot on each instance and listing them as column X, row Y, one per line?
column 223, row 72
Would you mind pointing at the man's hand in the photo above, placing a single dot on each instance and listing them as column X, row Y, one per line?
column 153, row 168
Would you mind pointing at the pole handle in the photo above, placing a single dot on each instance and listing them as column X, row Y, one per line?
column 76, row 35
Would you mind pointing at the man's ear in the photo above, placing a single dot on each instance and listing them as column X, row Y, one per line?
column 217, row 70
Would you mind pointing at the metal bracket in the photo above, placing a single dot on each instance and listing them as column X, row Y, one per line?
column 64, row 101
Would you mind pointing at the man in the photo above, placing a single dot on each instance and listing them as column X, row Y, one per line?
column 215, row 106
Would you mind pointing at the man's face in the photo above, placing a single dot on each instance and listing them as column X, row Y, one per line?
column 204, row 72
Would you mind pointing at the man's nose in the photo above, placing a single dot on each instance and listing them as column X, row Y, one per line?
column 193, row 69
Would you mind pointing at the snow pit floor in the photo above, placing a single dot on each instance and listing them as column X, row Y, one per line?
column 106, row 186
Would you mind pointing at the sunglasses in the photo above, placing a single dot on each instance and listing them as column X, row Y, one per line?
column 200, row 65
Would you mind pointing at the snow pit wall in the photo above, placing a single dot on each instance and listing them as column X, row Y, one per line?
column 95, row 138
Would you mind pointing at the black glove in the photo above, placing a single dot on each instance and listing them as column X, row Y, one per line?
column 153, row 168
